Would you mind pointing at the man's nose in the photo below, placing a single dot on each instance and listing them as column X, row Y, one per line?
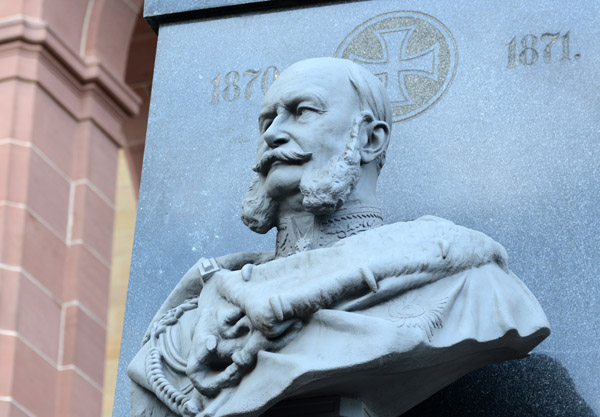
column 275, row 135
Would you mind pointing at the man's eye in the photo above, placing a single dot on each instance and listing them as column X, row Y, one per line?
column 265, row 125
column 304, row 110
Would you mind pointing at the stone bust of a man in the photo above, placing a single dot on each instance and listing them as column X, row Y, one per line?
column 345, row 305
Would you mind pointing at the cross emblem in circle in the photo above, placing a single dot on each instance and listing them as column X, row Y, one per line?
column 397, row 63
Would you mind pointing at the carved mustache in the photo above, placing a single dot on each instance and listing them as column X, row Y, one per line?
column 270, row 157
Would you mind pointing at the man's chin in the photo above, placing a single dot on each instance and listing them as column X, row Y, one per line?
column 283, row 181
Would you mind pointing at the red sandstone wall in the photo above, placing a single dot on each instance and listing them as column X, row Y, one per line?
column 63, row 104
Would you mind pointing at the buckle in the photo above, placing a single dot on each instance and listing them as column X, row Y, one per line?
column 207, row 267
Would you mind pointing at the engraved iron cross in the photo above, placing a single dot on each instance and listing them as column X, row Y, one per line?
column 424, row 63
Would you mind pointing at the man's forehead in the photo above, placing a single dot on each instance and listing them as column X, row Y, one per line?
column 310, row 81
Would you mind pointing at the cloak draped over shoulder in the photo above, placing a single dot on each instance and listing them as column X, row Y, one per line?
column 444, row 304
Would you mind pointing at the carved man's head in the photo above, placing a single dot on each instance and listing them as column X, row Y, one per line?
column 325, row 126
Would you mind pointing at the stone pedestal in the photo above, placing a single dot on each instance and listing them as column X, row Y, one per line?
column 333, row 406
column 500, row 134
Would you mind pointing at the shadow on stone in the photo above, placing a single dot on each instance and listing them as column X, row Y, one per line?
column 536, row 386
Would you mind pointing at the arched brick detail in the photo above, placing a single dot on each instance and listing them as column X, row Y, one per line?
column 108, row 33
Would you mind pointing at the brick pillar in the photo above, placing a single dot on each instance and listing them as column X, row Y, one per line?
column 62, row 105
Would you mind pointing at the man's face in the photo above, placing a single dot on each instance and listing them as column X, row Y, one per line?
column 310, row 109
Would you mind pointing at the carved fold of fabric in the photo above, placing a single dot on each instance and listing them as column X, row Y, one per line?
column 392, row 307
column 407, row 347
column 421, row 251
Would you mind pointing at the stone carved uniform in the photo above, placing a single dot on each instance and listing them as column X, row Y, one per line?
column 407, row 303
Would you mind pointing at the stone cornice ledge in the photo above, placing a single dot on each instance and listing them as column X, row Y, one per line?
column 86, row 75
column 157, row 12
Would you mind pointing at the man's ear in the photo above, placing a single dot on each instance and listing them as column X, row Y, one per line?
column 377, row 134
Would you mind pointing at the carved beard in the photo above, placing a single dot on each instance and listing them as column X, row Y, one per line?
column 327, row 189
column 259, row 211
column 324, row 190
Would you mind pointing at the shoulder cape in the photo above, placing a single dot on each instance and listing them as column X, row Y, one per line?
column 444, row 303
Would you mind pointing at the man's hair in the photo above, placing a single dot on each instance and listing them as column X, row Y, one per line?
column 372, row 95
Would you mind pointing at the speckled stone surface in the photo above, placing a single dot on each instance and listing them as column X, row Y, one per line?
column 155, row 8
column 157, row 12
column 511, row 148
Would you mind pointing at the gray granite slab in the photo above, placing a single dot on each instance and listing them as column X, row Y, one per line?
column 166, row 7
column 157, row 12
column 510, row 147
column 326, row 406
